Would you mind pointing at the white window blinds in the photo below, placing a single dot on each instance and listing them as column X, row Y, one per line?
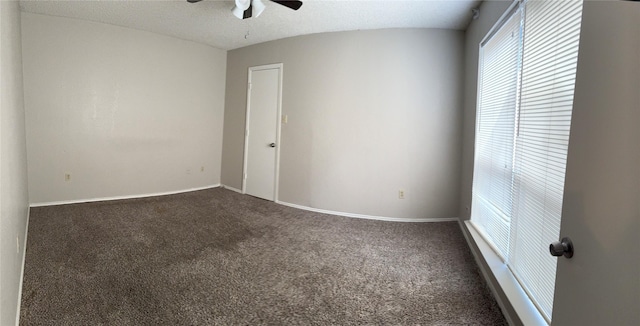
column 492, row 179
column 541, row 113
column 552, row 33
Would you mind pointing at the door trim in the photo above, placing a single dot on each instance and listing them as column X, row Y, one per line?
column 280, row 68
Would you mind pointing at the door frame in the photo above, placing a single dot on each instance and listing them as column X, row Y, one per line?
column 280, row 68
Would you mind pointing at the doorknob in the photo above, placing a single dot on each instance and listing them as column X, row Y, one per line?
column 563, row 247
column 272, row 145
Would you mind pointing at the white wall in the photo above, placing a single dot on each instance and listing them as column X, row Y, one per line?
column 369, row 113
column 13, row 167
column 125, row 112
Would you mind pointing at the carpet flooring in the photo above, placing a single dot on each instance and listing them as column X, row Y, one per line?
column 216, row 257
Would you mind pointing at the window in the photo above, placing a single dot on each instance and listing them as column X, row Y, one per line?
column 525, row 99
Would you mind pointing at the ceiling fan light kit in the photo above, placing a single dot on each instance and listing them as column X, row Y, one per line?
column 244, row 9
column 243, row 4
column 248, row 8
column 238, row 12
column 258, row 7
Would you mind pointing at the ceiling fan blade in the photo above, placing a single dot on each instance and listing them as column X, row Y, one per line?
column 295, row 5
column 193, row 1
column 247, row 13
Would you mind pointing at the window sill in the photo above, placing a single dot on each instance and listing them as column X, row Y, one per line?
column 526, row 312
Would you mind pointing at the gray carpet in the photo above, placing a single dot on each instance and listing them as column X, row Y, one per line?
column 215, row 257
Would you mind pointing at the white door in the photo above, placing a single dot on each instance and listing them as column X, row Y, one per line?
column 262, row 131
column 600, row 284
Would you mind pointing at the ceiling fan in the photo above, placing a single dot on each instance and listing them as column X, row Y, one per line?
column 245, row 8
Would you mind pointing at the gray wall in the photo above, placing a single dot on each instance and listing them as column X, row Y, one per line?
column 125, row 112
column 369, row 113
column 601, row 208
column 13, row 167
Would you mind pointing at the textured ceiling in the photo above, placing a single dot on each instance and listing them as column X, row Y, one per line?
column 211, row 21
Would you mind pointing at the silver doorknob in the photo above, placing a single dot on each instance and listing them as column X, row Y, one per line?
column 272, row 145
column 563, row 247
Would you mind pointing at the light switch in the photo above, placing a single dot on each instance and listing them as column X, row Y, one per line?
column 285, row 118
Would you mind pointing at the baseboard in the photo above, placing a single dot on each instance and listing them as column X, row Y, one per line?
column 369, row 217
column 24, row 257
column 89, row 200
column 232, row 189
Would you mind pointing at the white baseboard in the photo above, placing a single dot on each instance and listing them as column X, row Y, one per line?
column 24, row 257
column 369, row 217
column 232, row 189
column 77, row 201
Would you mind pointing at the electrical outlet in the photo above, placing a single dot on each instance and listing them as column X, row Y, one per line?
column 188, row 171
column 400, row 194
column 67, row 177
